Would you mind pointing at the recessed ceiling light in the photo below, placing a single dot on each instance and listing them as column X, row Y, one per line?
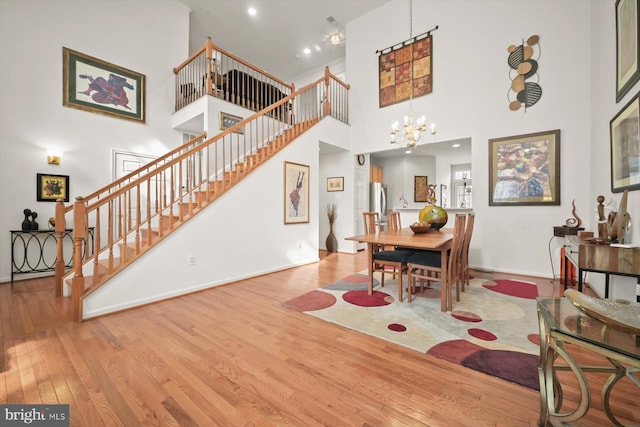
column 307, row 51
column 317, row 48
column 252, row 11
column 456, row 145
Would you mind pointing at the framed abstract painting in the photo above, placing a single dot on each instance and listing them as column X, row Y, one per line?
column 525, row 169
column 625, row 147
column 296, row 193
column 91, row 84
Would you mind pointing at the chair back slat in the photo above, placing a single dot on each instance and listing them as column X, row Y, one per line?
column 371, row 222
column 394, row 221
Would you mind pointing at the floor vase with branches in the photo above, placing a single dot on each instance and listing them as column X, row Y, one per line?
column 331, row 242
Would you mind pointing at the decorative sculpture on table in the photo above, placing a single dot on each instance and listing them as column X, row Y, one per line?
column 574, row 222
column 26, row 224
column 618, row 223
column 34, row 224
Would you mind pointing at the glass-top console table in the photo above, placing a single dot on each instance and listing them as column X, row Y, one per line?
column 561, row 322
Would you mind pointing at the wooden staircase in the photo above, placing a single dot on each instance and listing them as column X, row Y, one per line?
column 135, row 213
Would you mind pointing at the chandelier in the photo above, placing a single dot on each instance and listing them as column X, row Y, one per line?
column 412, row 129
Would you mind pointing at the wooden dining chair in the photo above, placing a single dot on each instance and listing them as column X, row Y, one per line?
column 427, row 266
column 385, row 261
column 468, row 232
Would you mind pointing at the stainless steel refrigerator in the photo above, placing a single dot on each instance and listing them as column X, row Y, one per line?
column 378, row 201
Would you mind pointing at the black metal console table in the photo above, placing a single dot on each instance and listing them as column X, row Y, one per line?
column 35, row 251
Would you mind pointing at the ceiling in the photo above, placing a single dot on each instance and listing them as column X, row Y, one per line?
column 427, row 149
column 275, row 37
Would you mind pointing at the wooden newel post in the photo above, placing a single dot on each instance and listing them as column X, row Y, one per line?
column 79, row 236
column 212, row 67
column 60, row 226
column 327, row 105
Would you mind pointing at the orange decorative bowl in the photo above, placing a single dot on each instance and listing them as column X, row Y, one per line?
column 421, row 229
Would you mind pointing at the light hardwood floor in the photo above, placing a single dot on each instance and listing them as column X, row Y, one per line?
column 234, row 356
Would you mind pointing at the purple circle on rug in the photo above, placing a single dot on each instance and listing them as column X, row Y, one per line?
column 396, row 327
column 363, row 299
column 314, row 300
column 513, row 288
column 481, row 334
column 520, row 368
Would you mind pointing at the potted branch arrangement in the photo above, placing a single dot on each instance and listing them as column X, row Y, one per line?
column 331, row 242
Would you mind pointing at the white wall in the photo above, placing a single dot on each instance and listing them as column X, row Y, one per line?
column 469, row 99
column 32, row 35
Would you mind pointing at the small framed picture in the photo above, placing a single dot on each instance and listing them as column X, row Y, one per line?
column 97, row 86
column 228, row 120
column 50, row 188
column 625, row 147
column 335, row 183
column 420, row 188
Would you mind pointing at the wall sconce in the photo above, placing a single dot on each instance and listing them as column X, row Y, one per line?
column 54, row 157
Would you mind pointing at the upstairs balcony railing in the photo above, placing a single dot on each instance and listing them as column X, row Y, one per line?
column 134, row 213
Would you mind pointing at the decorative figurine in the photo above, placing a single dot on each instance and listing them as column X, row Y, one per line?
column 602, row 219
column 34, row 224
column 574, row 222
column 619, row 222
column 26, row 224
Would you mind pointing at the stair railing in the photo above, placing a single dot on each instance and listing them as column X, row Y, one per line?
column 135, row 212
column 213, row 71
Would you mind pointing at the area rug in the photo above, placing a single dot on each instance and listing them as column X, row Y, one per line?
column 492, row 329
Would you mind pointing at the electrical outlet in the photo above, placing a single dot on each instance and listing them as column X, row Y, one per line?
column 191, row 260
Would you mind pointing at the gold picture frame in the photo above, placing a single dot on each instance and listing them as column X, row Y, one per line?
column 525, row 169
column 624, row 131
column 627, row 46
column 93, row 85
column 335, row 183
column 227, row 121
column 50, row 188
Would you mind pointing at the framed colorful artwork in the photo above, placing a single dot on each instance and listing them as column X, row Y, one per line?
column 395, row 66
column 624, row 131
column 420, row 188
column 296, row 193
column 627, row 46
column 50, row 188
column 93, row 85
column 525, row 169
column 335, row 183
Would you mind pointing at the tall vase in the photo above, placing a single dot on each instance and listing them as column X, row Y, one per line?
column 332, row 242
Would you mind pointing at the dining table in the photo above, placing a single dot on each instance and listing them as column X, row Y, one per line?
column 433, row 240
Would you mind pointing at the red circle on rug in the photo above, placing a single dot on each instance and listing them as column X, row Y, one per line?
column 514, row 288
column 465, row 316
column 314, row 300
column 363, row 299
column 481, row 334
column 356, row 278
column 534, row 338
column 396, row 327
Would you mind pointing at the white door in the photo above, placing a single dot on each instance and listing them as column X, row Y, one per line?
column 361, row 202
column 125, row 162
